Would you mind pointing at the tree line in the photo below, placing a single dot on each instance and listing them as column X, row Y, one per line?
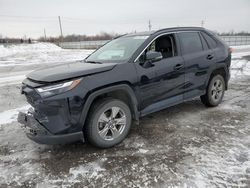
column 67, row 38
column 76, row 38
column 101, row 36
column 232, row 33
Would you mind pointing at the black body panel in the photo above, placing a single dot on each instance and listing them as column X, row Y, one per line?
column 164, row 83
column 67, row 71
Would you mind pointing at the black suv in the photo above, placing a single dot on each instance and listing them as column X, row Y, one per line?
column 129, row 77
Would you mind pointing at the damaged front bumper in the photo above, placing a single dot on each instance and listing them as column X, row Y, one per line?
column 38, row 133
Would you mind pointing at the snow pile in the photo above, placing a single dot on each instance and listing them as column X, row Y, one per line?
column 245, row 48
column 240, row 68
column 38, row 53
column 27, row 48
column 240, row 65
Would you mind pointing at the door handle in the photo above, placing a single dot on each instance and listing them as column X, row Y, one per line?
column 178, row 66
column 210, row 57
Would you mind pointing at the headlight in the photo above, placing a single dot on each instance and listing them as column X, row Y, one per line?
column 55, row 89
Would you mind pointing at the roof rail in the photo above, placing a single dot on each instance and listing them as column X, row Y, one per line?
column 119, row 36
column 179, row 28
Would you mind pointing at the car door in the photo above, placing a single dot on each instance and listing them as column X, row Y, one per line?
column 161, row 84
column 198, row 60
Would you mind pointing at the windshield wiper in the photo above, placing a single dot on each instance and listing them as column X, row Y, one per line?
column 94, row 62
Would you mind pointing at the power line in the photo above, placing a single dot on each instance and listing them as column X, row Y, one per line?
column 33, row 17
column 83, row 20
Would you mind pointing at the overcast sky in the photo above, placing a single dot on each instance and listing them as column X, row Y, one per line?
column 30, row 17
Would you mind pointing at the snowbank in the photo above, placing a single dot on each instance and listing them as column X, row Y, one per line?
column 240, row 66
column 27, row 48
column 240, row 47
column 38, row 53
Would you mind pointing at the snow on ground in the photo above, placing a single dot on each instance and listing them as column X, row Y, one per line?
column 12, row 49
column 187, row 145
column 37, row 53
column 243, row 48
column 11, row 80
column 9, row 116
column 240, row 65
column 18, row 60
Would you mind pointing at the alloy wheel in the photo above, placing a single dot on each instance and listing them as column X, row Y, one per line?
column 217, row 90
column 111, row 123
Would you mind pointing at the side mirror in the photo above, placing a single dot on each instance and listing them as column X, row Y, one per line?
column 153, row 56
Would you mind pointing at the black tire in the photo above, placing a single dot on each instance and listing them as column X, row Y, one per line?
column 209, row 99
column 96, row 127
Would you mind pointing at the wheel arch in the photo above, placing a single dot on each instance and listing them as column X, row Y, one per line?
column 122, row 91
column 222, row 70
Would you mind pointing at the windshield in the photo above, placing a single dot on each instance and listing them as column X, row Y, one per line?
column 120, row 49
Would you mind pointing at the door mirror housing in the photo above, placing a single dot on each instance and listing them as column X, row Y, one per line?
column 153, row 56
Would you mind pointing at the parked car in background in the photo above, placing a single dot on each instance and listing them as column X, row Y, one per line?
column 97, row 99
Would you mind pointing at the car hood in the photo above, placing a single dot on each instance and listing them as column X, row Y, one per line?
column 67, row 71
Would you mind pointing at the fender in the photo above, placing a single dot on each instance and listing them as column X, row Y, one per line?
column 91, row 97
column 219, row 66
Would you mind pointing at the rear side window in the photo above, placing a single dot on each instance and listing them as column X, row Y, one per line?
column 191, row 42
column 204, row 43
column 211, row 42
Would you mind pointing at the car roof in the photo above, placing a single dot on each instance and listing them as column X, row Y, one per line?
column 171, row 29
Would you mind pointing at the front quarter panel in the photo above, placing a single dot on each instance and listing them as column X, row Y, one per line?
column 61, row 113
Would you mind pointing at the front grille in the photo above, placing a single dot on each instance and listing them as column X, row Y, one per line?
column 32, row 126
column 30, row 99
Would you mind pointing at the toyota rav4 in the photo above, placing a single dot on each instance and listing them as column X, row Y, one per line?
column 97, row 99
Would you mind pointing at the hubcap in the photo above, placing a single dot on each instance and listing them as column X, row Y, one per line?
column 111, row 123
column 217, row 90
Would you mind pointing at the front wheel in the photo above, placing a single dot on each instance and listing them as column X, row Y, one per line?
column 108, row 123
column 215, row 91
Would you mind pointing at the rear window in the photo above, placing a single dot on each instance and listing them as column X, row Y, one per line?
column 191, row 42
column 211, row 42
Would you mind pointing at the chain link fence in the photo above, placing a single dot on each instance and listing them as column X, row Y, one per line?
column 230, row 40
column 236, row 40
column 83, row 44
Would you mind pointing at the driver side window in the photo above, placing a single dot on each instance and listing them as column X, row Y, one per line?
column 164, row 44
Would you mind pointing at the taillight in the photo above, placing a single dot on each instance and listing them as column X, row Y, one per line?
column 230, row 50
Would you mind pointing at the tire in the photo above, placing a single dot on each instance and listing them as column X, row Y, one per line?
column 214, row 92
column 108, row 123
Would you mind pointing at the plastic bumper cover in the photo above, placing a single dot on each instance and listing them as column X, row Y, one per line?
column 36, row 132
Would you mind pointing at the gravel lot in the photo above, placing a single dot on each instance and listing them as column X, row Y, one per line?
column 187, row 145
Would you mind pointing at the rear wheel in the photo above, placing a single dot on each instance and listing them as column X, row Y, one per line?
column 108, row 123
column 215, row 91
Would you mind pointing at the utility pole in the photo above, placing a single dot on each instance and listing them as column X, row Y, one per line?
column 149, row 25
column 60, row 24
column 202, row 23
column 44, row 31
